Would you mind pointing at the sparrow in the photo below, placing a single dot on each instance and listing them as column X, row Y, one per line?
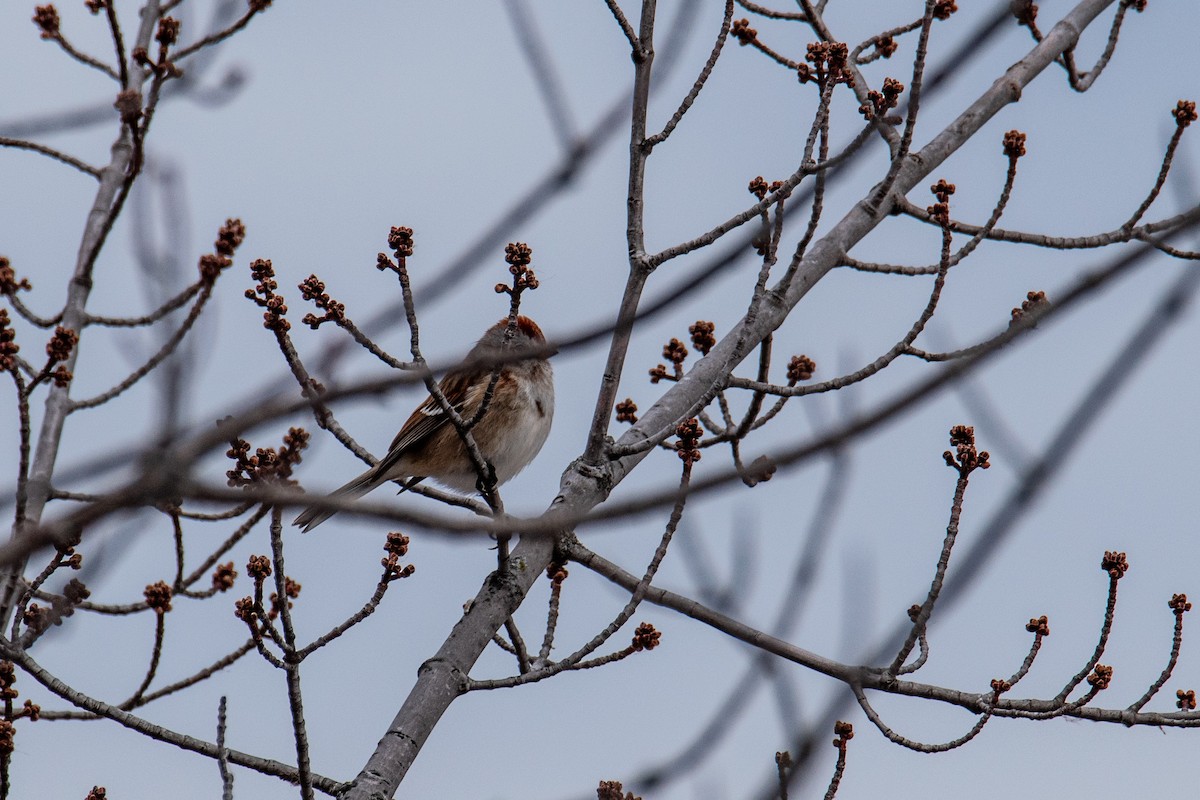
column 509, row 435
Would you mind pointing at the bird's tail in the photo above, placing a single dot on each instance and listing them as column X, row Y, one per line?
column 313, row 516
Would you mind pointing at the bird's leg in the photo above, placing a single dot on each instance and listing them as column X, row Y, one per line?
column 486, row 484
column 487, row 487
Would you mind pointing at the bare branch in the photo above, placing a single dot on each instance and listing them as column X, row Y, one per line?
column 183, row 741
column 626, row 28
column 57, row 155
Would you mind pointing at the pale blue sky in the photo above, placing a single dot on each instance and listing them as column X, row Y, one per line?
column 357, row 117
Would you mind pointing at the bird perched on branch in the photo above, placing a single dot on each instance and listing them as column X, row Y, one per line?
column 509, row 434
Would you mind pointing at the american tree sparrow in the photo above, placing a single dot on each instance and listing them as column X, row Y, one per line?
column 509, row 434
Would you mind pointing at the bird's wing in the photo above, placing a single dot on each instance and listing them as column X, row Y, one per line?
column 429, row 418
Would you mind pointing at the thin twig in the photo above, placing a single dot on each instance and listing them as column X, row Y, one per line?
column 149, row 319
column 912, row 744
column 58, row 155
column 84, row 58
column 769, row 13
column 367, row 610
column 221, row 35
column 201, row 675
column 158, row 732
column 635, row 235
column 217, row 516
column 223, row 548
column 518, row 645
column 921, row 619
column 155, row 656
column 290, row 660
column 575, row 660
column 32, row 318
column 369, row 344
column 1180, row 605
column 1110, row 607
column 168, row 347
column 701, row 79
column 1168, row 156
column 626, row 28
column 223, row 754
column 900, row 155
column 150, row 17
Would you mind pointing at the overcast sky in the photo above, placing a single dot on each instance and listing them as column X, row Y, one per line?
column 352, row 118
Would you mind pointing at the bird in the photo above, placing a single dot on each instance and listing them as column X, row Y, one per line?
column 509, row 434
